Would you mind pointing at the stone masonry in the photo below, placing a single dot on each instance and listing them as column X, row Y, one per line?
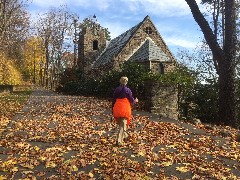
column 161, row 99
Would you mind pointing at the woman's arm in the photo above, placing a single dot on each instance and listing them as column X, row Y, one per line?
column 130, row 96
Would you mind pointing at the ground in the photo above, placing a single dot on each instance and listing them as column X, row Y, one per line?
column 56, row 136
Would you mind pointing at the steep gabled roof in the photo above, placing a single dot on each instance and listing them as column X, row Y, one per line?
column 148, row 51
column 115, row 46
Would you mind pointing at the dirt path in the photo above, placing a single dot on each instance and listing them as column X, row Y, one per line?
column 61, row 137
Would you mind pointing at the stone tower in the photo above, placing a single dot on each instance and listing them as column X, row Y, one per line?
column 92, row 41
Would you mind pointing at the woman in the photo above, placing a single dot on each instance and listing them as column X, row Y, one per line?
column 121, row 107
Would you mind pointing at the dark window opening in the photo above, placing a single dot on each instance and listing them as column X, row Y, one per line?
column 95, row 45
column 148, row 30
column 161, row 68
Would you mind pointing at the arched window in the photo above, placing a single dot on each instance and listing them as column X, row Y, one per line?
column 148, row 30
column 95, row 45
column 161, row 68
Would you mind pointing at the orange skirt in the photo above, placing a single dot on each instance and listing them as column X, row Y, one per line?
column 122, row 109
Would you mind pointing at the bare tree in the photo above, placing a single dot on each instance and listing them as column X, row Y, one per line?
column 200, row 61
column 14, row 24
column 53, row 27
column 224, row 56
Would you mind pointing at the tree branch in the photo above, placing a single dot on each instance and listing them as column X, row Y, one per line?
column 218, row 53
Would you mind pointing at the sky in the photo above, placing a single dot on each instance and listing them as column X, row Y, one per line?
column 172, row 18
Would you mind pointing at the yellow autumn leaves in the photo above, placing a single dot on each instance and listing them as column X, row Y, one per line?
column 9, row 74
column 77, row 145
column 16, row 71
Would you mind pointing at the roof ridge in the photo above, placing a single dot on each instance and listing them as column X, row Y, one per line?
column 117, row 43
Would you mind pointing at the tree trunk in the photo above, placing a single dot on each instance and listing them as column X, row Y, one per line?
column 47, row 64
column 227, row 104
column 225, row 58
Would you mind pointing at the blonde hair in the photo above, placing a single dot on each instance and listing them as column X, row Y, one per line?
column 123, row 80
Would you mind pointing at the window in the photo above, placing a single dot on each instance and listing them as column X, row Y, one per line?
column 148, row 30
column 161, row 68
column 95, row 45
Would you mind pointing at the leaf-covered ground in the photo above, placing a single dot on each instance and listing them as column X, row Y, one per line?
column 10, row 104
column 71, row 137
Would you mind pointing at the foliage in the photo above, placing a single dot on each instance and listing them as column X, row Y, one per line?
column 111, row 77
column 202, row 103
column 200, row 61
column 70, row 87
column 186, row 81
column 199, row 99
column 224, row 53
column 70, row 137
column 34, row 59
column 137, row 74
column 9, row 74
column 105, row 85
column 181, row 76
column 71, row 74
column 53, row 27
column 14, row 25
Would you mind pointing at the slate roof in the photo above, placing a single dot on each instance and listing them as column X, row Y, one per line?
column 115, row 46
column 149, row 51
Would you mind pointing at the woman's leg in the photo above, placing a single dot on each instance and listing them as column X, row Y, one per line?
column 125, row 134
column 122, row 130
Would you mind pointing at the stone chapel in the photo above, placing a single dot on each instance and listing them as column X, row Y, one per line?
column 142, row 44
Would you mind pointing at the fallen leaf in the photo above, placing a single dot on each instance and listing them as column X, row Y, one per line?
column 2, row 177
column 168, row 163
column 90, row 175
column 50, row 164
column 15, row 169
column 182, row 169
column 75, row 168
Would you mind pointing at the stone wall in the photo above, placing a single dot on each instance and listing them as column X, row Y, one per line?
column 139, row 37
column 86, row 54
column 23, row 87
column 6, row 89
column 161, row 99
column 169, row 67
column 11, row 88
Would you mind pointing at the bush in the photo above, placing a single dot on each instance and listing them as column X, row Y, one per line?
column 9, row 74
column 196, row 100
column 72, row 81
column 202, row 102
column 70, row 87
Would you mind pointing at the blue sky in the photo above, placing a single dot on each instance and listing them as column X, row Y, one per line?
column 172, row 18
